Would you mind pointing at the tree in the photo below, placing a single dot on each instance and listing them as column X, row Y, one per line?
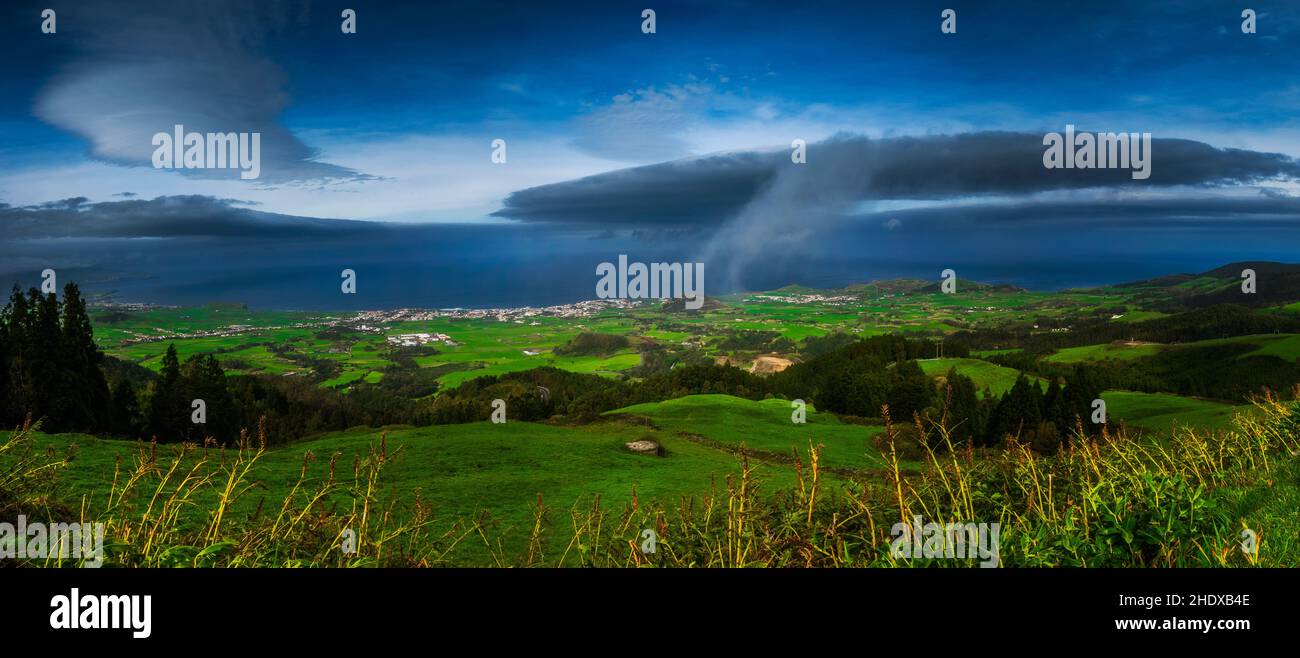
column 49, row 363
column 1057, row 413
column 168, row 408
column 18, row 377
column 966, row 414
column 4, row 364
column 1018, row 413
column 86, row 393
column 203, row 379
column 126, row 409
column 45, row 360
column 1078, row 396
column 910, row 390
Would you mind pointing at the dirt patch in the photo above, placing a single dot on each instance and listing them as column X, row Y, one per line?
column 766, row 365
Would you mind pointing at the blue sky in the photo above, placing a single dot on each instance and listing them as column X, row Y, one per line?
column 394, row 123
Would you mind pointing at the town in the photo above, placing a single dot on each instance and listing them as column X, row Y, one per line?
column 373, row 322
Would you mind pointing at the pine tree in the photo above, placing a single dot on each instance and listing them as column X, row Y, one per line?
column 168, row 410
column 18, row 377
column 4, row 365
column 965, row 412
column 1078, row 396
column 1018, row 414
column 910, row 390
column 126, row 409
column 46, row 361
column 49, row 363
column 1056, row 412
column 86, row 393
column 203, row 379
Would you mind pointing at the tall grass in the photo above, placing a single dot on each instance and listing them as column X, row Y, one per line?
column 1109, row 500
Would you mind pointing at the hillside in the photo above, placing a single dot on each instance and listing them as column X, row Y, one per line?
column 1276, row 284
column 998, row 379
column 1161, row 412
column 461, row 471
column 762, row 426
column 565, row 496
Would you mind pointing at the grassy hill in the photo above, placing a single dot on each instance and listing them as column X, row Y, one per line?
column 1158, row 412
column 1278, row 283
column 462, row 471
column 1281, row 345
column 445, row 477
column 762, row 425
column 998, row 379
column 1120, row 350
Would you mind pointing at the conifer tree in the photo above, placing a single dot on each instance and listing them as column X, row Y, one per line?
column 168, row 410
column 126, row 409
column 965, row 412
column 202, row 378
column 910, row 390
column 1019, row 412
column 1079, row 394
column 45, row 360
column 18, row 379
column 4, row 364
column 1056, row 412
column 86, row 391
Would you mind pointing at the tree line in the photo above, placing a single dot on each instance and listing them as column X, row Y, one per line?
column 1220, row 321
column 52, row 370
column 50, row 366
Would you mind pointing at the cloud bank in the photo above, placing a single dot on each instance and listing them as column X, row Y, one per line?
column 766, row 208
column 143, row 69
column 847, row 168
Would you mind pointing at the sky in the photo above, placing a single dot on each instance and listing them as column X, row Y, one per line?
column 924, row 149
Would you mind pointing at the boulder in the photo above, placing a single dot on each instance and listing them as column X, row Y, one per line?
column 645, row 447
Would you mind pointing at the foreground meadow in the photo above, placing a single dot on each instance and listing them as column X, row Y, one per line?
column 528, row 494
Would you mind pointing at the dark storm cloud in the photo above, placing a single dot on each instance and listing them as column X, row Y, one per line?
column 163, row 217
column 683, row 192
column 1262, row 211
column 194, row 249
column 847, row 169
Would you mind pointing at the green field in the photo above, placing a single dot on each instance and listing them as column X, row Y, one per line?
column 1282, row 346
column 1257, row 340
column 998, row 379
column 763, row 425
column 280, row 343
column 286, row 343
column 464, row 470
column 1159, row 412
column 1119, row 351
